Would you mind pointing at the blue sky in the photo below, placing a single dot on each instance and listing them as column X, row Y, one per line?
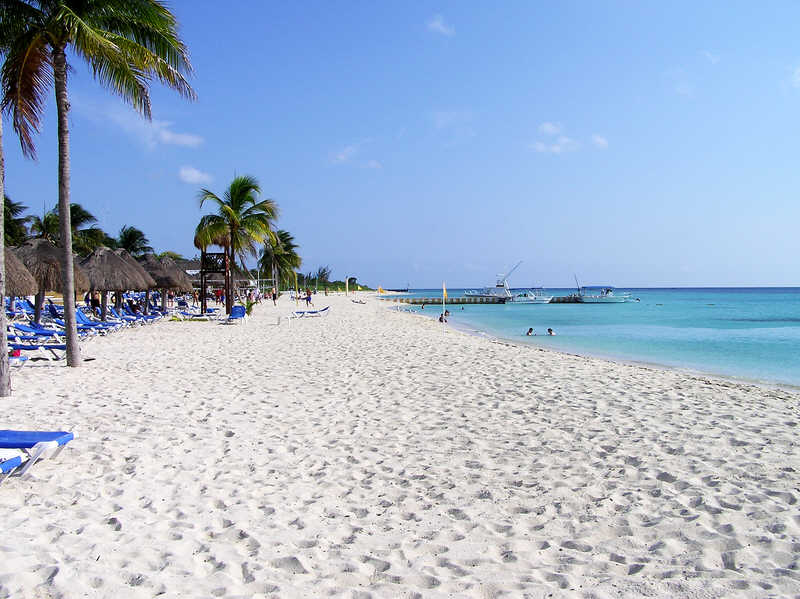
column 628, row 143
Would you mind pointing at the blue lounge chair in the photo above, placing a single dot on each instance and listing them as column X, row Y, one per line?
column 8, row 466
column 35, row 444
column 42, row 348
column 238, row 314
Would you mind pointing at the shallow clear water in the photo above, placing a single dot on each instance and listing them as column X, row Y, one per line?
column 751, row 333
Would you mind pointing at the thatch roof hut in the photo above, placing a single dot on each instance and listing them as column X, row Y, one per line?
column 166, row 273
column 108, row 272
column 43, row 261
column 19, row 280
column 184, row 282
column 147, row 281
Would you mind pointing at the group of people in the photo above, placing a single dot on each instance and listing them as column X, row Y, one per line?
column 531, row 332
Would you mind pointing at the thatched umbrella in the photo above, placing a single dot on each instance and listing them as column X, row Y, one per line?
column 147, row 282
column 19, row 280
column 166, row 275
column 43, row 260
column 109, row 272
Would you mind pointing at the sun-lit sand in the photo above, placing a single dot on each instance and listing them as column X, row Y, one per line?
column 367, row 454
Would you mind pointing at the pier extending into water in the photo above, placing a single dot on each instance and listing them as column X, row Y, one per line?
column 471, row 299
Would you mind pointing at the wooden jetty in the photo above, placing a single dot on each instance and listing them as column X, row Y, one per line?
column 568, row 299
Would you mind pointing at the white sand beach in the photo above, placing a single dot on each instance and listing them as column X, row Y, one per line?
column 367, row 454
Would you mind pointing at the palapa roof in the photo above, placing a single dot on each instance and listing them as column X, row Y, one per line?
column 185, row 283
column 165, row 273
column 147, row 281
column 43, row 260
column 107, row 271
column 19, row 280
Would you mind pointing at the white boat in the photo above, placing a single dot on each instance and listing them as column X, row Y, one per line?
column 601, row 294
column 499, row 292
column 533, row 296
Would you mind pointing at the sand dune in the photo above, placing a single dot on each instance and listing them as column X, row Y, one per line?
column 368, row 454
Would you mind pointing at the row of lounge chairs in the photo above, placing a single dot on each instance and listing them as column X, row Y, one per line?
column 46, row 340
column 32, row 446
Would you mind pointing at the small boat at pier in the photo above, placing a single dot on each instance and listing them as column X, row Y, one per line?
column 601, row 294
column 500, row 292
column 535, row 295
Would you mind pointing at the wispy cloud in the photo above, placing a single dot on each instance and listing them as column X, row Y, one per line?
column 710, row 57
column 437, row 24
column 548, row 128
column 151, row 134
column 350, row 154
column 189, row 174
column 345, row 154
column 560, row 145
column 598, row 141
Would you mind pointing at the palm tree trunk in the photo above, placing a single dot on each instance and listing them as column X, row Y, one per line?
column 5, row 373
column 103, row 304
column 38, row 303
column 228, row 299
column 62, row 106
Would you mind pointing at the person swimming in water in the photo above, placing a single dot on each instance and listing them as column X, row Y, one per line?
column 530, row 332
column 551, row 332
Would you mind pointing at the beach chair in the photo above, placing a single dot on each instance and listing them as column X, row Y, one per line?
column 35, row 444
column 7, row 466
column 238, row 314
column 311, row 313
column 58, row 351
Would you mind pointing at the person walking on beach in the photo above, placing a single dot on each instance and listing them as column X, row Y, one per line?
column 308, row 298
column 274, row 297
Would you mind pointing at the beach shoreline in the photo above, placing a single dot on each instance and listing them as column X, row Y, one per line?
column 366, row 453
column 687, row 371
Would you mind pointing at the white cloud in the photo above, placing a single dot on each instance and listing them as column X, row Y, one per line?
column 548, row 128
column 189, row 174
column 164, row 135
column 599, row 141
column 150, row 133
column 436, row 24
column 349, row 154
column 712, row 58
column 561, row 145
column 345, row 154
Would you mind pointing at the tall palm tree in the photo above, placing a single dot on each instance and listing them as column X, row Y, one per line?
column 241, row 221
column 14, row 225
column 126, row 43
column 280, row 256
column 134, row 241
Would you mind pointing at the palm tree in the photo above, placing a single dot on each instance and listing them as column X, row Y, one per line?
column 134, row 241
column 127, row 43
column 280, row 256
column 322, row 276
column 241, row 221
column 15, row 226
column 45, row 226
column 86, row 236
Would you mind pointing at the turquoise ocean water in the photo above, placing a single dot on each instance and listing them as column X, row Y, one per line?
column 747, row 333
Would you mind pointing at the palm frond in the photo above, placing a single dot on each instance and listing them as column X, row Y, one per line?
column 27, row 76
